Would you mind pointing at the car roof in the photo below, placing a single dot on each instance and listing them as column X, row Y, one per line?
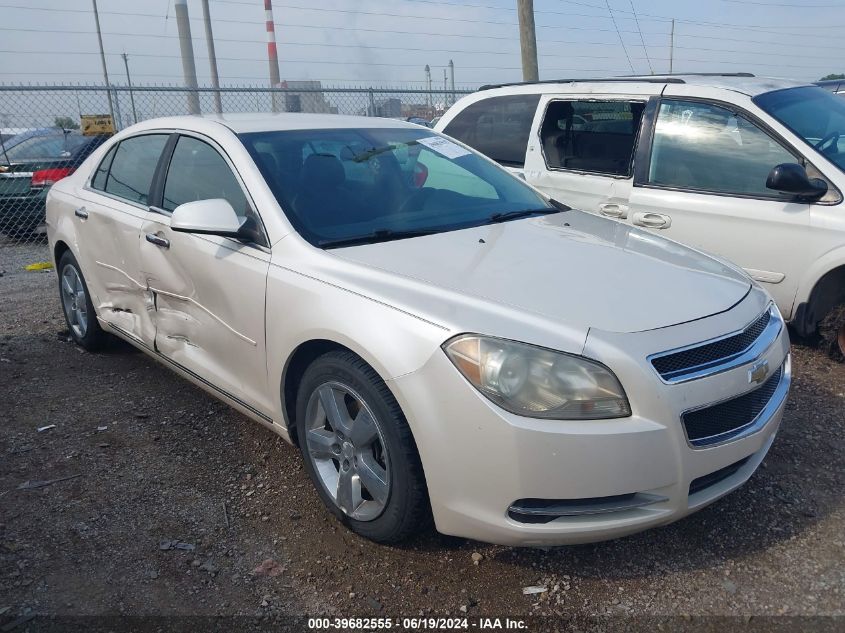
column 744, row 83
column 268, row 121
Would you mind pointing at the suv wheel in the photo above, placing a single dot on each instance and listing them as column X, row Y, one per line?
column 359, row 450
column 832, row 332
column 76, row 304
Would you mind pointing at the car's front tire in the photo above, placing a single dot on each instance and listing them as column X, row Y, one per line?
column 359, row 450
column 832, row 332
column 79, row 312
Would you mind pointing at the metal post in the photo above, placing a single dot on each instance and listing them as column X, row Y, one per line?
column 129, row 83
column 186, row 46
column 528, row 40
column 452, row 81
column 372, row 108
column 672, row 47
column 212, row 56
column 272, row 51
column 428, row 88
column 103, row 60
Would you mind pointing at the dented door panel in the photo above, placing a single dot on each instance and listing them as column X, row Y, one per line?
column 207, row 296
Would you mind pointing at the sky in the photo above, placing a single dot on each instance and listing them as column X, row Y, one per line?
column 389, row 42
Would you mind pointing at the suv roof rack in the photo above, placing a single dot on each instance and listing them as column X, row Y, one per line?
column 665, row 78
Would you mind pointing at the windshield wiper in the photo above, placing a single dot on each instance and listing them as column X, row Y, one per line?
column 379, row 235
column 515, row 215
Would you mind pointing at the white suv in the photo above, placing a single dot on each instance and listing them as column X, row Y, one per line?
column 748, row 168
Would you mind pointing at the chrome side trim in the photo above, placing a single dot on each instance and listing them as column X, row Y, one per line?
column 767, row 337
column 757, row 424
column 639, row 500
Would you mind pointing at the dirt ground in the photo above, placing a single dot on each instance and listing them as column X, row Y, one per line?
column 162, row 500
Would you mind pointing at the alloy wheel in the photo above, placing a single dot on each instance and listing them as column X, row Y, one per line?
column 346, row 447
column 75, row 301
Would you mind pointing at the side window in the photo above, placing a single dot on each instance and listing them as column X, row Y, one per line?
column 99, row 179
column 498, row 127
column 709, row 148
column 198, row 172
column 594, row 136
column 133, row 166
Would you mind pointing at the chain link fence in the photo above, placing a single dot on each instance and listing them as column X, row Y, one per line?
column 41, row 140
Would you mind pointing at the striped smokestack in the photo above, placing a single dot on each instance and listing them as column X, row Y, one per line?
column 272, row 52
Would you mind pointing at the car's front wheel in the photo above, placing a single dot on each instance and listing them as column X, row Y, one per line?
column 76, row 304
column 832, row 332
column 359, row 450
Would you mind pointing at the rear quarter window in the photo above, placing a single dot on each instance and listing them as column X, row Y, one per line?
column 498, row 127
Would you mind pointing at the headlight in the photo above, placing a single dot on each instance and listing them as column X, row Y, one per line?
column 537, row 382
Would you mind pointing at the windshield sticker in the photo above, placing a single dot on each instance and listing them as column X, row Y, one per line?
column 443, row 146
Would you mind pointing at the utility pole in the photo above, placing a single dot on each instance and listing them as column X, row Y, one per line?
column 528, row 40
column 672, row 47
column 428, row 88
column 103, row 60
column 212, row 56
column 186, row 46
column 452, row 81
column 272, row 51
column 129, row 83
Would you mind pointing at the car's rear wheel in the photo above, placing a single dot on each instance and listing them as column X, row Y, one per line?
column 79, row 312
column 832, row 332
column 359, row 450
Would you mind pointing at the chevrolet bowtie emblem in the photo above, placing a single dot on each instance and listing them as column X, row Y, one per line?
column 758, row 372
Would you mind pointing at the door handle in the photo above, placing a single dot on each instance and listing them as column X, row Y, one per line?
column 80, row 212
column 152, row 238
column 612, row 210
column 652, row 220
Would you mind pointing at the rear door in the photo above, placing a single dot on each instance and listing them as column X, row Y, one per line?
column 108, row 219
column 207, row 291
column 704, row 184
column 498, row 127
column 582, row 153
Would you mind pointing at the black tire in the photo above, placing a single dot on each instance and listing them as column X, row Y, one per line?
column 832, row 333
column 407, row 510
column 93, row 338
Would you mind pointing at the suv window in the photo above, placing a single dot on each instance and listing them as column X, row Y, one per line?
column 498, row 127
column 133, row 166
column 197, row 171
column 595, row 136
column 706, row 147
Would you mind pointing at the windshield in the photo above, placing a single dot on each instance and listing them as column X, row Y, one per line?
column 342, row 185
column 814, row 114
column 50, row 146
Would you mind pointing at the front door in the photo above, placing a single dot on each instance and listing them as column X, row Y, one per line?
column 208, row 291
column 705, row 186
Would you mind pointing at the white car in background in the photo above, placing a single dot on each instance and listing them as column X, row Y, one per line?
column 749, row 169
column 437, row 337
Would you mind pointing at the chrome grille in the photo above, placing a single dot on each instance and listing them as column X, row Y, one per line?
column 716, row 355
column 726, row 420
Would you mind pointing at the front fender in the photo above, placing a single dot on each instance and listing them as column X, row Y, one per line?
column 818, row 269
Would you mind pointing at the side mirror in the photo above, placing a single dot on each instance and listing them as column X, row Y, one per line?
column 792, row 178
column 207, row 217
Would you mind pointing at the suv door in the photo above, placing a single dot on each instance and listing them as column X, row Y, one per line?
column 108, row 227
column 208, row 291
column 498, row 127
column 704, row 185
column 583, row 151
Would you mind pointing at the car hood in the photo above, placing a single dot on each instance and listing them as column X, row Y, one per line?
column 574, row 268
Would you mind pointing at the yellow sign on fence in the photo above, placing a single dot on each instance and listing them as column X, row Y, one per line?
column 93, row 124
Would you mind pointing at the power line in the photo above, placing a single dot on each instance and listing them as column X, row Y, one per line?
column 621, row 41
column 642, row 39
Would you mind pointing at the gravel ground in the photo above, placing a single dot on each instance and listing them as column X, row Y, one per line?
column 173, row 500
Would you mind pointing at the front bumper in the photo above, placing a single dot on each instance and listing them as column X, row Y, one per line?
column 479, row 460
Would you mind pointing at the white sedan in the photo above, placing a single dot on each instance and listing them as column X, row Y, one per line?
column 438, row 338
